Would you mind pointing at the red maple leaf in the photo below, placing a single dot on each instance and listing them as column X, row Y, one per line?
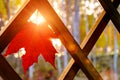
column 36, row 40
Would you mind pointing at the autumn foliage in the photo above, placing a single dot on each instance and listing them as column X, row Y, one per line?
column 36, row 40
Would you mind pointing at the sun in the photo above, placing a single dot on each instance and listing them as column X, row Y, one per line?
column 37, row 18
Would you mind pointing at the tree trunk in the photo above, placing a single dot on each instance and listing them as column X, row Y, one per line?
column 76, row 20
column 31, row 71
column 115, row 56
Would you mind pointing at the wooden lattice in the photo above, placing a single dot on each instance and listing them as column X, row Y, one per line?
column 79, row 53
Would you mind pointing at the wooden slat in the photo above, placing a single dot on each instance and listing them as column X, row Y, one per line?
column 70, row 71
column 6, row 70
column 52, row 18
column 13, row 27
column 87, row 43
column 112, row 12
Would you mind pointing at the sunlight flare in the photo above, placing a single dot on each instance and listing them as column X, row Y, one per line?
column 37, row 18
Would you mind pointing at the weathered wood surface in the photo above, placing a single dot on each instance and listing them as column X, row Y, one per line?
column 88, row 43
column 76, row 52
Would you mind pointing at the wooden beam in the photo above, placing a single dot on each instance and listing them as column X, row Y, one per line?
column 87, row 43
column 70, row 71
column 112, row 12
column 14, row 26
column 6, row 71
column 76, row 52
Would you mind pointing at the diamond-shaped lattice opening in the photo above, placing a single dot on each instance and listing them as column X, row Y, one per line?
column 105, row 54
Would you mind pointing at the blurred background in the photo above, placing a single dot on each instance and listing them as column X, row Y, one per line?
column 78, row 16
